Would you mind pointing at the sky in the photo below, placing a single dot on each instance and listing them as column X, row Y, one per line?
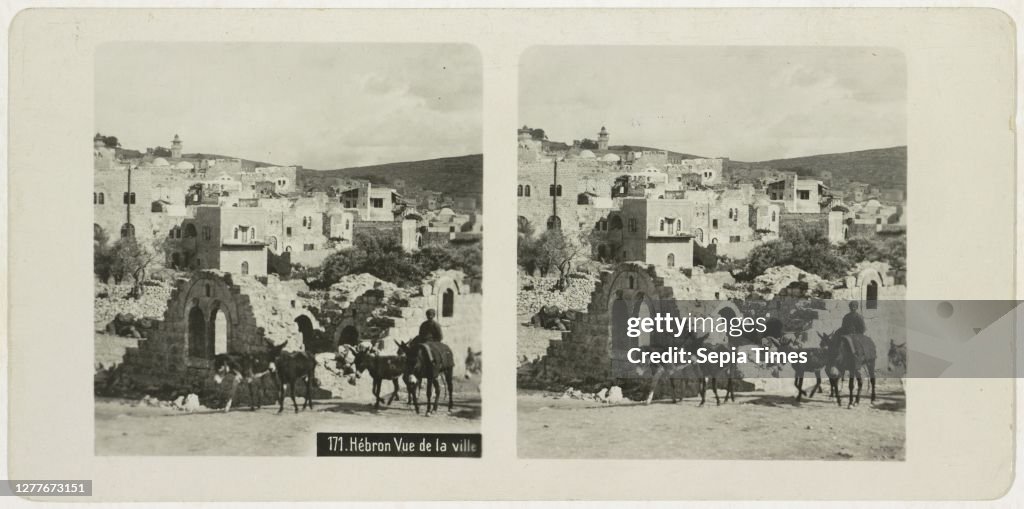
column 322, row 106
column 745, row 103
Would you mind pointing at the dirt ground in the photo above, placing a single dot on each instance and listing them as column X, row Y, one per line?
column 125, row 428
column 757, row 426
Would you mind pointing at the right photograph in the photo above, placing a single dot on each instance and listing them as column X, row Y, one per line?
column 712, row 253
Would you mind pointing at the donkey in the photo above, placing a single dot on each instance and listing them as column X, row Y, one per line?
column 897, row 355
column 817, row 359
column 427, row 361
column 380, row 367
column 713, row 372
column 850, row 353
column 247, row 367
column 695, row 371
column 290, row 368
column 474, row 362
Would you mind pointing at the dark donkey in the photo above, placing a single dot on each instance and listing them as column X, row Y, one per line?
column 367, row 358
column 817, row 360
column 290, row 368
column 849, row 353
column 427, row 361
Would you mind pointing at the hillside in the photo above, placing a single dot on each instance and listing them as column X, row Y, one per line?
column 453, row 176
column 883, row 167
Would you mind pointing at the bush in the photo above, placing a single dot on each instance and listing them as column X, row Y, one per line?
column 386, row 259
column 807, row 249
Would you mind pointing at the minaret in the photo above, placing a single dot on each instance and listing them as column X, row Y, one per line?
column 176, row 147
column 602, row 139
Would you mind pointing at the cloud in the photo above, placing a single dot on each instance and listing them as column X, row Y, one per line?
column 319, row 105
column 748, row 103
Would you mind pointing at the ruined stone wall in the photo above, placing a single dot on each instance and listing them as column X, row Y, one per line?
column 258, row 312
column 384, row 314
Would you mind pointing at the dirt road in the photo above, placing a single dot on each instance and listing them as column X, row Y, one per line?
column 124, row 430
column 756, row 426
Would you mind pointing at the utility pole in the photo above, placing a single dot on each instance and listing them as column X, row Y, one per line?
column 128, row 204
column 554, row 194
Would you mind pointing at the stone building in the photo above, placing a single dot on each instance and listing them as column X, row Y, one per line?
column 371, row 203
column 228, row 239
column 657, row 232
column 796, row 195
column 212, row 312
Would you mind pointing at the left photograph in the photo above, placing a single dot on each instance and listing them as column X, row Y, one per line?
column 287, row 241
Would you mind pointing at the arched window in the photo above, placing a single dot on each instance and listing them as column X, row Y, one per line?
column 554, row 223
column 551, row 190
column 526, row 191
column 95, row 198
column 245, row 267
column 671, row 260
column 101, row 198
column 129, row 198
column 127, row 230
column 236, row 233
column 714, row 240
column 679, row 225
column 773, row 216
column 700, row 235
column 190, row 230
column 661, row 225
column 519, row 190
column 730, row 213
column 615, row 223
column 558, row 190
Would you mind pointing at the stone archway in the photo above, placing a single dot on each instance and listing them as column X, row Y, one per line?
column 196, row 339
column 349, row 335
column 219, row 331
column 305, row 326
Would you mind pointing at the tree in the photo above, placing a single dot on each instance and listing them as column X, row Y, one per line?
column 805, row 248
column 161, row 152
column 860, row 249
column 588, row 144
column 132, row 258
column 559, row 249
column 102, row 260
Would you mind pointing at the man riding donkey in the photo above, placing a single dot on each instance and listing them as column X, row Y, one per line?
column 427, row 358
column 850, row 351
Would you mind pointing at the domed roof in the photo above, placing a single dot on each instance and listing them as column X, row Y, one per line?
column 586, row 154
column 610, row 158
column 160, row 162
column 184, row 165
column 872, row 204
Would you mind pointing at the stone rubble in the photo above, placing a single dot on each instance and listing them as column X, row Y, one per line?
column 111, row 299
column 535, row 292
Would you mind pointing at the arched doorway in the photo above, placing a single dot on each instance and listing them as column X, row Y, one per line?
column 305, row 326
column 871, row 295
column 448, row 303
column 196, row 333
column 349, row 335
column 642, row 310
column 218, row 331
column 671, row 260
